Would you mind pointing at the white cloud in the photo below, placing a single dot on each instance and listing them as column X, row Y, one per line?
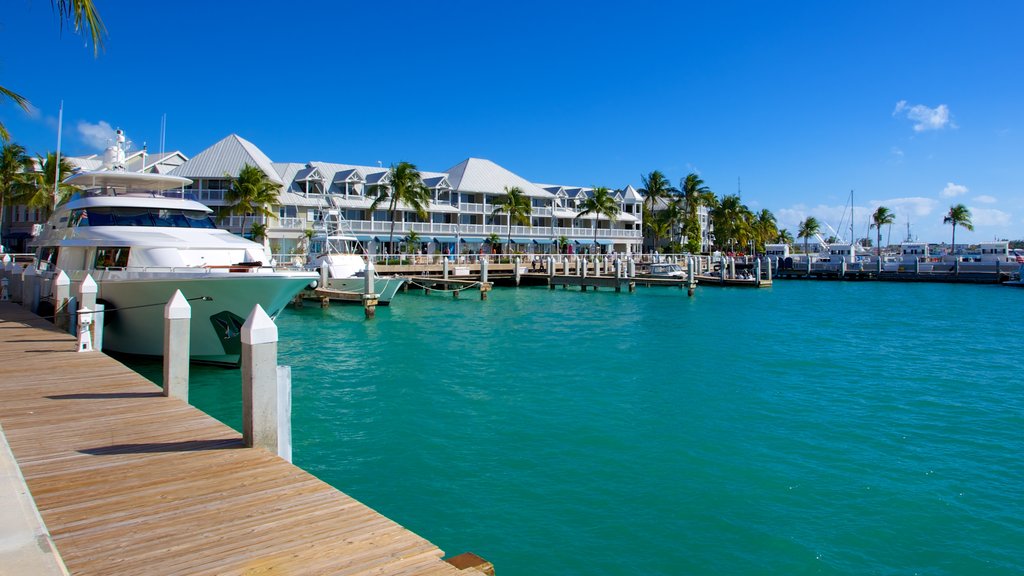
column 97, row 136
column 985, row 199
column 951, row 190
column 924, row 118
column 989, row 217
column 897, row 154
column 911, row 206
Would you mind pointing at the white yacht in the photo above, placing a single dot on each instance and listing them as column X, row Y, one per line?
column 335, row 251
column 141, row 239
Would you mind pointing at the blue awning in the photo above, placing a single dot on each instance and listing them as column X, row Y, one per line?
column 445, row 239
column 473, row 240
column 384, row 238
column 543, row 241
column 521, row 241
column 364, row 237
column 605, row 242
column 584, row 242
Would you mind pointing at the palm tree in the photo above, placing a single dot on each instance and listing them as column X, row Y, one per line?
column 765, row 228
column 958, row 215
column 563, row 241
column 258, row 231
column 516, row 204
column 731, row 220
column 250, row 193
column 660, row 227
column 695, row 194
column 600, row 203
column 784, row 237
column 879, row 218
column 43, row 191
column 406, row 187
column 83, row 15
column 494, row 240
column 809, row 227
column 411, row 240
column 15, row 165
column 654, row 187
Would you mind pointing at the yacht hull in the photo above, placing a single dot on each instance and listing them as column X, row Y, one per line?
column 135, row 322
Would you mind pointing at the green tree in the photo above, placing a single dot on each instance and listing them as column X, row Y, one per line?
column 406, row 189
column 495, row 241
column 15, row 167
column 44, row 192
column 654, row 187
column 250, row 193
column 958, row 215
column 784, row 237
column 732, row 222
column 879, row 218
column 412, row 239
column 765, row 229
column 563, row 243
column 660, row 227
column 695, row 195
column 258, row 231
column 600, row 203
column 809, row 227
column 82, row 15
column 517, row 205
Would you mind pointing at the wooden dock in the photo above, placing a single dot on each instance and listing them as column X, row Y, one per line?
column 130, row 482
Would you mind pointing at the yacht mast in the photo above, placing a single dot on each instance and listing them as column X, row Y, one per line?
column 56, row 174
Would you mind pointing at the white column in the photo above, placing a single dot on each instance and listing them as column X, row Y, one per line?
column 259, row 382
column 177, row 319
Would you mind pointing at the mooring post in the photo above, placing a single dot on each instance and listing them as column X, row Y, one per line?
column 565, row 265
column 370, row 298
column 631, row 267
column 284, row 412
column 757, row 271
column 260, row 393
column 551, row 268
column 30, row 288
column 15, row 283
column 485, row 286
column 768, row 264
column 86, row 297
column 444, row 268
column 516, row 272
column 61, row 292
column 177, row 318
column 691, row 276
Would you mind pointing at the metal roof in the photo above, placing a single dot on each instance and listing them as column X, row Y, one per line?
column 479, row 175
column 227, row 157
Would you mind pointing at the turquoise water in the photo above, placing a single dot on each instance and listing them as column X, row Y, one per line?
column 810, row 428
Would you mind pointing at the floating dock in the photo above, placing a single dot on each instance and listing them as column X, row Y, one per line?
column 128, row 481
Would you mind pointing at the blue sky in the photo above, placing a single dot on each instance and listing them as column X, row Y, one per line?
column 912, row 105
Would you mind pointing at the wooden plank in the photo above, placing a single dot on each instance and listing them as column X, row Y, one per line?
column 130, row 482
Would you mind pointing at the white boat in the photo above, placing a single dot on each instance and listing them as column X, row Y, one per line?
column 666, row 270
column 140, row 239
column 340, row 269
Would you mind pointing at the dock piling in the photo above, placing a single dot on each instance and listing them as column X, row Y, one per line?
column 370, row 297
column 485, row 286
column 61, row 292
column 30, row 288
column 260, row 390
column 84, row 321
column 516, row 273
column 177, row 318
column 631, row 267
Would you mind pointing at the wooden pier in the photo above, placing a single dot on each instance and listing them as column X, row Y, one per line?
column 594, row 282
column 128, row 481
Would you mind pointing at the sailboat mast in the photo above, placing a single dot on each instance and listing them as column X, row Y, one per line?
column 56, row 174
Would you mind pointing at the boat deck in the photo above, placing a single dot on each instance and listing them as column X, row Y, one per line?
column 130, row 482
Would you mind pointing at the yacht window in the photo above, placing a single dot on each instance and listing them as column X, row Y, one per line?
column 134, row 217
column 165, row 218
column 170, row 218
column 199, row 220
column 111, row 258
column 47, row 257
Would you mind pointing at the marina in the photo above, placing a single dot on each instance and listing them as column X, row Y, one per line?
column 506, row 425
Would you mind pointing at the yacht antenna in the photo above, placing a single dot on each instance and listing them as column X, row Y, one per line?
column 56, row 174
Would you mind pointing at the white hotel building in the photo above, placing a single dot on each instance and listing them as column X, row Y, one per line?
column 460, row 213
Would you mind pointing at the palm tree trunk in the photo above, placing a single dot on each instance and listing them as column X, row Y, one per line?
column 953, row 248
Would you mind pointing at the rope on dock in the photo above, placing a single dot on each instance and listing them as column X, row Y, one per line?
column 466, row 287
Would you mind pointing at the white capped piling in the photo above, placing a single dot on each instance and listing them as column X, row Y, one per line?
column 722, row 269
column 768, row 266
column 60, row 290
column 757, row 270
column 30, row 288
column 917, row 266
column 323, row 275
column 177, row 318
column 84, row 322
column 551, row 266
column 618, row 269
column 732, row 267
column 691, row 276
column 370, row 297
column 878, row 263
column 485, row 285
column 565, row 265
column 259, row 382
column 516, row 272
column 631, row 267
column 842, row 267
column 808, row 257
column 86, row 297
column 444, row 268
column 15, row 286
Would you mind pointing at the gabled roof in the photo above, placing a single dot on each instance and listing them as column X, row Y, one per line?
column 435, row 180
column 311, row 173
column 227, row 157
column 479, row 175
column 631, row 196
